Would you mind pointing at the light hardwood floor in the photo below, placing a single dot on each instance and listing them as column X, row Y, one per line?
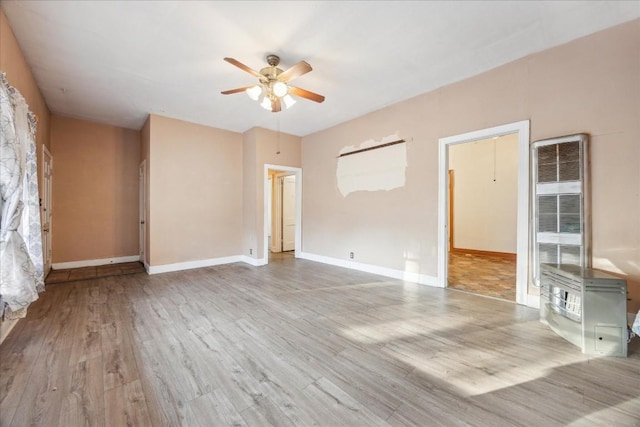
column 297, row 343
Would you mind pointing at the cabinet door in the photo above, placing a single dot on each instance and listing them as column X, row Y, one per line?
column 560, row 202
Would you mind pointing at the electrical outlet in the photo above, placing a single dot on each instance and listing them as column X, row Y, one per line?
column 351, row 255
column 250, row 251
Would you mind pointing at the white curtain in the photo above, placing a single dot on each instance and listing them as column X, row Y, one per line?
column 22, row 275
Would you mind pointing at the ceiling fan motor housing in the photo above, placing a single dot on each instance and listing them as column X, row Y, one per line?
column 273, row 60
column 272, row 72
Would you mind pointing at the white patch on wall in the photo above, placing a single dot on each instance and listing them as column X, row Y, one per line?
column 379, row 169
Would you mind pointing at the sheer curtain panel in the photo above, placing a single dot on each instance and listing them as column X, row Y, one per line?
column 22, row 276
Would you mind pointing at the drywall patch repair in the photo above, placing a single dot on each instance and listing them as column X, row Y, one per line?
column 380, row 169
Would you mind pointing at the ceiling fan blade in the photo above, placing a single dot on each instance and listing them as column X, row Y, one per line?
column 275, row 105
column 305, row 94
column 236, row 90
column 244, row 67
column 296, row 71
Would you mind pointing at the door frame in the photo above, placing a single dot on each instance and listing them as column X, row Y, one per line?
column 452, row 204
column 47, row 205
column 142, row 212
column 522, row 233
column 265, row 238
column 276, row 213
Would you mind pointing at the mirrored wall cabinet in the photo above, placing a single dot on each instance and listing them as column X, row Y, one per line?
column 561, row 230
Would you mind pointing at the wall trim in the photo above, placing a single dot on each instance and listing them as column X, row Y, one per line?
column 188, row 265
column 94, row 262
column 256, row 262
column 421, row 279
column 533, row 301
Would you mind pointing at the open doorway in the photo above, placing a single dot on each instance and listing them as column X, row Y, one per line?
column 282, row 212
column 521, row 129
column 46, row 202
column 142, row 213
column 483, row 191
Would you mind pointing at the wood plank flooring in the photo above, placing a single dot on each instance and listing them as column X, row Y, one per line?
column 298, row 343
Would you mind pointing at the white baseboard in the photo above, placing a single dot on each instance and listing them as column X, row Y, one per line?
column 256, row 262
column 422, row 279
column 94, row 262
column 533, row 301
column 188, row 265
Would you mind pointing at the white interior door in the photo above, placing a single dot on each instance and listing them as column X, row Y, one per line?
column 47, row 174
column 289, row 213
column 142, row 212
column 276, row 214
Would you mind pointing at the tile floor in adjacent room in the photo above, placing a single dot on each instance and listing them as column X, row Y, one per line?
column 486, row 275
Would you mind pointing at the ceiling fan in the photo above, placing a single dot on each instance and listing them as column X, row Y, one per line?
column 273, row 84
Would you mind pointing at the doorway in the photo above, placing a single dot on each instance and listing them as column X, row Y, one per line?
column 521, row 129
column 142, row 213
column 483, row 191
column 282, row 211
column 47, row 177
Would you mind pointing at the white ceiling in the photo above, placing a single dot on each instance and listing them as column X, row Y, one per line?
column 116, row 61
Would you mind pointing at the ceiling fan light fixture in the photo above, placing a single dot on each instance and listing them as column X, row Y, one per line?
column 266, row 103
column 288, row 101
column 254, row 92
column 273, row 88
column 280, row 89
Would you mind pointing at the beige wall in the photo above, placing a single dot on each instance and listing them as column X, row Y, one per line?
column 249, row 193
column 485, row 211
column 262, row 146
column 95, row 190
column 195, row 192
column 589, row 85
